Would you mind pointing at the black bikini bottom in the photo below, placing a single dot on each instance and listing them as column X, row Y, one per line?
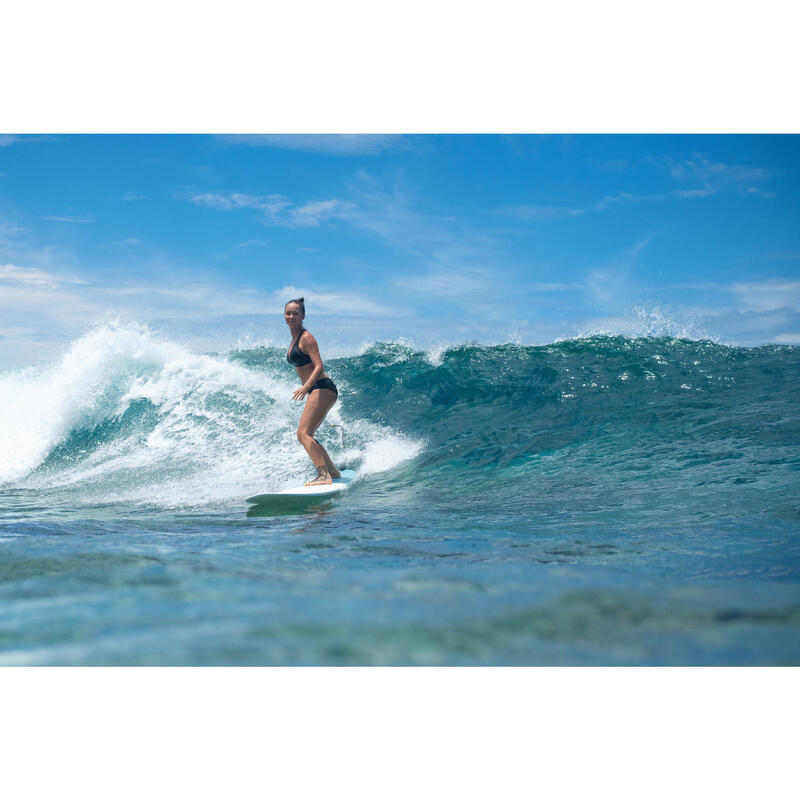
column 324, row 383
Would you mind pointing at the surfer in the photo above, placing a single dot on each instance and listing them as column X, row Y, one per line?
column 321, row 390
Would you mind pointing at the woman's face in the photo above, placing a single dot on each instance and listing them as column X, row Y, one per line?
column 292, row 314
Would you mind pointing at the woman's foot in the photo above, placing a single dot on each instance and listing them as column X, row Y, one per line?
column 323, row 477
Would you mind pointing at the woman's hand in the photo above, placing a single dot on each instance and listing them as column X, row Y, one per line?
column 300, row 393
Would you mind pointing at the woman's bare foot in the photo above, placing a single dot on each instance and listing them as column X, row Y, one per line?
column 323, row 477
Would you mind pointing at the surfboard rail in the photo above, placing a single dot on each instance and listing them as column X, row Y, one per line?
column 321, row 490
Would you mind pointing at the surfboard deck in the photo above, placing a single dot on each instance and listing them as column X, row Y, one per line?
column 338, row 485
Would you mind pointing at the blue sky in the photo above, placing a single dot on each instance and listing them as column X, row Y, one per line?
column 432, row 239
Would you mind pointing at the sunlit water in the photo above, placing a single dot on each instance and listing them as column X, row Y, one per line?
column 595, row 501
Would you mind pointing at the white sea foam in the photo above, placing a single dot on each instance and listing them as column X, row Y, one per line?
column 646, row 321
column 216, row 430
column 383, row 450
column 39, row 406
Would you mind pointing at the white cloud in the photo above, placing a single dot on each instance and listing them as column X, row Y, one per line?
column 7, row 139
column 392, row 215
column 270, row 205
column 702, row 170
column 612, row 200
column 693, row 192
column 10, row 274
column 541, row 211
column 552, row 287
column 767, row 295
column 387, row 213
column 760, row 192
column 788, row 338
column 607, row 288
column 332, row 303
column 633, row 252
column 241, row 246
column 316, row 211
column 564, row 212
column 10, row 230
column 452, row 282
column 40, row 310
column 342, row 144
column 129, row 242
column 275, row 209
column 711, row 177
column 27, row 289
column 69, row 219
column 250, row 243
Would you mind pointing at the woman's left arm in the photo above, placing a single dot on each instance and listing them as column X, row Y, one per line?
column 312, row 351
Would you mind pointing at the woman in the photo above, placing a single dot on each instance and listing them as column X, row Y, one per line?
column 321, row 390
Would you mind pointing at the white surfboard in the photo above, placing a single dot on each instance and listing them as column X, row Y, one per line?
column 321, row 490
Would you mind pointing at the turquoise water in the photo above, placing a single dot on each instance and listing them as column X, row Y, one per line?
column 593, row 501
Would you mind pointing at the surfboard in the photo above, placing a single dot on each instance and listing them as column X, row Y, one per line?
column 322, row 490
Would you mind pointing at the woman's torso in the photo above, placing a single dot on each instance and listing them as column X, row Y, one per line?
column 295, row 354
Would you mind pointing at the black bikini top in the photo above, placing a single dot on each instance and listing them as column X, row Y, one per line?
column 296, row 355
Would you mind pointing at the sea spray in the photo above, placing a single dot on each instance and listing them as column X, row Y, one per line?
column 127, row 416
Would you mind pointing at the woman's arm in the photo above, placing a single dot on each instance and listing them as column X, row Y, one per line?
column 312, row 351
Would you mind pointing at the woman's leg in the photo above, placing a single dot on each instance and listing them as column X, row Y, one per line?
column 332, row 471
column 319, row 402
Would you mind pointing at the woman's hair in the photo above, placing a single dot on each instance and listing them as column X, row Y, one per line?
column 300, row 302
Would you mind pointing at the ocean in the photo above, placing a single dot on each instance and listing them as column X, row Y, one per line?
column 594, row 501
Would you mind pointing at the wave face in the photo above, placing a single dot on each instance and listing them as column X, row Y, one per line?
column 605, row 425
column 127, row 417
column 602, row 423
column 602, row 500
